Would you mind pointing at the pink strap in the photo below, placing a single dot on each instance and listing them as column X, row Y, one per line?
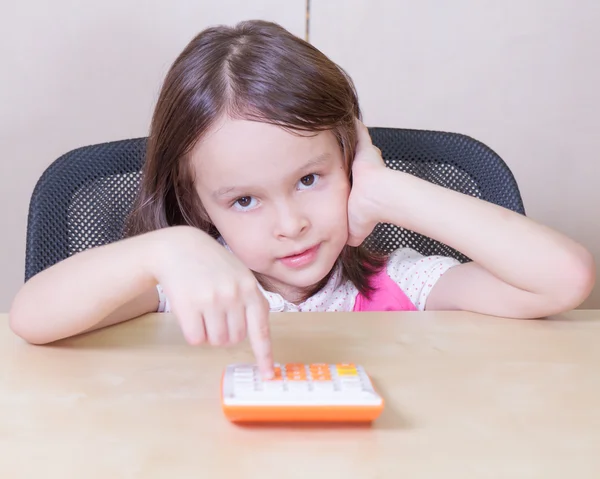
column 387, row 296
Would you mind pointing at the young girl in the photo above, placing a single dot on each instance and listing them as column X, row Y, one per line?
column 259, row 187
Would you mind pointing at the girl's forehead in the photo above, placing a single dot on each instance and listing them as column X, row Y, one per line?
column 234, row 147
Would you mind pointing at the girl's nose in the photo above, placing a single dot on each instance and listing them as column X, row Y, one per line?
column 291, row 222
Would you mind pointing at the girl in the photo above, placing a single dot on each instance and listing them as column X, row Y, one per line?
column 259, row 186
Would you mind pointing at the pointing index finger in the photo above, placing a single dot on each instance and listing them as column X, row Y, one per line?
column 257, row 317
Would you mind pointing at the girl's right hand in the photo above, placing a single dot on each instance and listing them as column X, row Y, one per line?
column 214, row 296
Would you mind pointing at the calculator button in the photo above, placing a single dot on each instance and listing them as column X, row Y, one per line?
column 244, row 379
column 320, row 377
column 294, row 367
column 297, row 376
column 323, row 386
column 346, row 371
column 245, row 386
column 297, row 386
column 244, row 368
column 273, row 385
column 319, row 371
column 319, row 366
column 353, row 385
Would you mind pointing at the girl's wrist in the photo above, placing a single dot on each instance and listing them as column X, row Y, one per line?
column 156, row 247
column 404, row 199
column 387, row 197
column 161, row 245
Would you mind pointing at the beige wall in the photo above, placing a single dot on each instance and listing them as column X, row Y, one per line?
column 519, row 75
column 522, row 76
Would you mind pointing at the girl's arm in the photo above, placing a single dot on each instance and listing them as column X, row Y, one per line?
column 92, row 289
column 215, row 298
column 520, row 268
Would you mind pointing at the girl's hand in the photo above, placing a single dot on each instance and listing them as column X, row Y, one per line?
column 214, row 296
column 363, row 211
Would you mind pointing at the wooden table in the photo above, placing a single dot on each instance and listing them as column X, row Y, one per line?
column 466, row 396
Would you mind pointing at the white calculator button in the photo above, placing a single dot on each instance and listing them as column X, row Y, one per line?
column 295, row 386
column 351, row 387
column 244, row 368
column 243, row 379
column 273, row 385
column 244, row 387
column 350, row 382
column 323, row 386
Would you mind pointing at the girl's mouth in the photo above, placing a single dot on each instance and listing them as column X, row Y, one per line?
column 301, row 259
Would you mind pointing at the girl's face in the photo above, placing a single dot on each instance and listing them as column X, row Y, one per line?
column 278, row 199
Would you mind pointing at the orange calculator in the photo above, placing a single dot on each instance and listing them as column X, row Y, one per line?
column 300, row 393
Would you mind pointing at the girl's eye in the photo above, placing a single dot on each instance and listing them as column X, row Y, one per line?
column 308, row 181
column 244, row 203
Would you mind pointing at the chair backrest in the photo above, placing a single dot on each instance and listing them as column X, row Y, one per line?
column 452, row 160
column 83, row 198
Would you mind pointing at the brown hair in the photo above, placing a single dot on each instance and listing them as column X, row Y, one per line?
column 257, row 71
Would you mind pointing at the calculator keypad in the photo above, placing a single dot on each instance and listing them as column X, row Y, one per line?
column 318, row 383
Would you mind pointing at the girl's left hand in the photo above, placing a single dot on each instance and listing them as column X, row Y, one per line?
column 367, row 169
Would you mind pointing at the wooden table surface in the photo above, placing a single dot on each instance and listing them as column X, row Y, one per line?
column 466, row 396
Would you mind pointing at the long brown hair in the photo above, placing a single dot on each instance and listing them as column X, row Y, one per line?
column 257, row 71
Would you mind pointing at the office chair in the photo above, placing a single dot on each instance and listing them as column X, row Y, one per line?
column 83, row 198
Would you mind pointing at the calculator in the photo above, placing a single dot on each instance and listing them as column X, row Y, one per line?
column 300, row 393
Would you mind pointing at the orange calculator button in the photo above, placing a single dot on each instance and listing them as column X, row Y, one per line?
column 320, row 372
column 293, row 368
column 277, row 374
column 297, row 376
column 319, row 368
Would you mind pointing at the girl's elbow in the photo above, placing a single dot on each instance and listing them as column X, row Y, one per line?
column 21, row 323
column 579, row 280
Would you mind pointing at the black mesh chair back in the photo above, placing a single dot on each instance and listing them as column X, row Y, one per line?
column 83, row 198
column 452, row 160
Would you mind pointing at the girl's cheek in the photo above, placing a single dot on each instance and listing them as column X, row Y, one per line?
column 336, row 195
column 255, row 227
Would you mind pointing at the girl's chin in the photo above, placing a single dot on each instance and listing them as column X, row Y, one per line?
column 293, row 288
